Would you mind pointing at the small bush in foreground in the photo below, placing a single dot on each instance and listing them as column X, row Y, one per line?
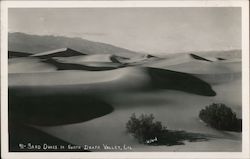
column 151, row 132
column 221, row 117
column 144, row 127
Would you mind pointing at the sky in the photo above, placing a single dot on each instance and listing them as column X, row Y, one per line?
column 152, row 30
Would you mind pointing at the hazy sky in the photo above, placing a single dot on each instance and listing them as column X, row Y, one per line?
column 154, row 30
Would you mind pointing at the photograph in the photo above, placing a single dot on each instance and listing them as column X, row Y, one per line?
column 124, row 79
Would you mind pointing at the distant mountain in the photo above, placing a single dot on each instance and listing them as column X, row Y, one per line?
column 37, row 44
column 64, row 52
column 13, row 54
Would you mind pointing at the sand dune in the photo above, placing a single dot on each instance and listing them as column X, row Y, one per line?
column 15, row 54
column 44, row 98
column 28, row 65
column 53, row 109
column 199, row 57
column 196, row 67
column 103, row 60
column 214, row 59
column 66, row 77
column 211, row 70
column 179, row 81
column 120, row 78
column 132, row 61
column 213, row 73
column 85, row 58
column 87, row 99
column 21, row 133
column 172, row 59
column 177, row 110
column 90, row 66
column 63, row 52
column 221, row 54
column 215, row 79
column 214, row 54
column 203, row 57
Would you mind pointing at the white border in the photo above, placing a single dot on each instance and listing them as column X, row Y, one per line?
column 244, row 4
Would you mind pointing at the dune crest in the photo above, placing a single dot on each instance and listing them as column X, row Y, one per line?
column 63, row 52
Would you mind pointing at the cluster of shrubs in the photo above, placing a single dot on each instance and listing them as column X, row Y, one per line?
column 221, row 117
column 148, row 131
column 216, row 115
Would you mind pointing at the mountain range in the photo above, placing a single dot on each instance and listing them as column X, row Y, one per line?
column 22, row 42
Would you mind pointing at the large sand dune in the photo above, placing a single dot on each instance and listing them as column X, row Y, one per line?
column 119, row 80
column 28, row 65
column 86, row 99
column 177, row 110
column 213, row 72
column 78, row 77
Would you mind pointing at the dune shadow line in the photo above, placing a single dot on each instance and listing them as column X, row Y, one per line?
column 167, row 79
column 55, row 109
column 72, row 66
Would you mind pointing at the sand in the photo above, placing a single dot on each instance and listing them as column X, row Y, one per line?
column 168, row 107
column 128, row 90
column 28, row 65
column 85, row 58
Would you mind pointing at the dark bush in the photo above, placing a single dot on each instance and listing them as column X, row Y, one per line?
column 146, row 131
column 144, row 127
column 221, row 117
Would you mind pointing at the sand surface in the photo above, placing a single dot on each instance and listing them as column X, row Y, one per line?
column 128, row 90
column 28, row 65
column 169, row 108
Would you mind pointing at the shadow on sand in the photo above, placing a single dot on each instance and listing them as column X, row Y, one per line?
column 174, row 137
column 21, row 134
column 55, row 109
column 72, row 66
column 167, row 79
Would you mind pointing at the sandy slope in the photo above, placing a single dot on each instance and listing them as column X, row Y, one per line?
column 124, row 89
column 214, row 72
column 28, row 65
column 197, row 67
column 105, row 60
column 168, row 107
column 188, row 64
column 98, row 60
column 71, row 78
column 85, row 58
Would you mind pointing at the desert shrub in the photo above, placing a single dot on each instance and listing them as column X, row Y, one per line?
column 221, row 117
column 144, row 128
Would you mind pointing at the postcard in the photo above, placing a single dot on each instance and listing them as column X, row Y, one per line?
column 124, row 79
